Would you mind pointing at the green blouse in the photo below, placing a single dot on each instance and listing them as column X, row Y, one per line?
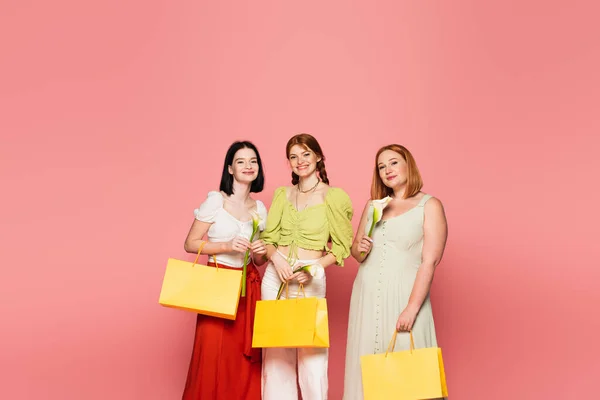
column 313, row 227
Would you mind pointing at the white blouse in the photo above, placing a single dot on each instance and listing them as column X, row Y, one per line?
column 224, row 226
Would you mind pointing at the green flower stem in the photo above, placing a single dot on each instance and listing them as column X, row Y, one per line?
column 303, row 268
column 244, row 272
column 280, row 290
column 246, row 258
column 371, row 229
column 362, row 253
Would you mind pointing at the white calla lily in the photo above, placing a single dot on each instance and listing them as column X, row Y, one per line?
column 375, row 213
column 256, row 222
column 315, row 270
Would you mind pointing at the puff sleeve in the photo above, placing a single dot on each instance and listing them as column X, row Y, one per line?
column 271, row 234
column 339, row 217
column 262, row 212
column 207, row 212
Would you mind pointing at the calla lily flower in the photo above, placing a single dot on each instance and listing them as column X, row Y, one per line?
column 315, row 270
column 375, row 214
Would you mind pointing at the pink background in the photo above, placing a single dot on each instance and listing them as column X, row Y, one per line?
column 115, row 117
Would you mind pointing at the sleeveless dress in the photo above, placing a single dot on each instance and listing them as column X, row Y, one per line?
column 380, row 293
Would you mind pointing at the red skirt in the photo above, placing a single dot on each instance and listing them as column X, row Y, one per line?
column 224, row 365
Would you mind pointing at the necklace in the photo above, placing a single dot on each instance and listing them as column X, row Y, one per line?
column 312, row 190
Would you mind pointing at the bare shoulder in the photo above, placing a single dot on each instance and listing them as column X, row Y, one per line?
column 258, row 203
column 253, row 204
column 365, row 210
column 324, row 188
column 434, row 204
column 288, row 191
column 324, row 191
column 434, row 208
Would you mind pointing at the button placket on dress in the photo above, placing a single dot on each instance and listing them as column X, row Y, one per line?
column 379, row 281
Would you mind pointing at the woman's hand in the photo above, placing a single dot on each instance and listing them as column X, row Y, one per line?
column 406, row 320
column 283, row 269
column 258, row 247
column 302, row 277
column 306, row 273
column 365, row 245
column 239, row 244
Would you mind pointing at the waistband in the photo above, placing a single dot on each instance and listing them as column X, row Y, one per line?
column 213, row 264
column 293, row 262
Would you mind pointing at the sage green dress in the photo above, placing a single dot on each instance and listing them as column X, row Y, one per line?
column 380, row 293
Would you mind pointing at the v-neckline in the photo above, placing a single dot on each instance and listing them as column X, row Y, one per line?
column 255, row 209
column 307, row 207
column 238, row 220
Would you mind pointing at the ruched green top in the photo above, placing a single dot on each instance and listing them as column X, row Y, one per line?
column 313, row 227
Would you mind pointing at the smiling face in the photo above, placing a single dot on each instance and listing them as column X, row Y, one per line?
column 392, row 168
column 303, row 161
column 244, row 167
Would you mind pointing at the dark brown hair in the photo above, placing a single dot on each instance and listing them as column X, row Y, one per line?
column 227, row 179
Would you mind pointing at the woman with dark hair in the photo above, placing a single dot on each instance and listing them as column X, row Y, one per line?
column 302, row 220
column 398, row 261
column 224, row 365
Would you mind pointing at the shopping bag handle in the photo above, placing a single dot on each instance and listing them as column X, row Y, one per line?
column 301, row 288
column 198, row 255
column 287, row 291
column 393, row 343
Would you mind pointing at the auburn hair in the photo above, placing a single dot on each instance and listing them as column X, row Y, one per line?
column 414, row 183
column 309, row 143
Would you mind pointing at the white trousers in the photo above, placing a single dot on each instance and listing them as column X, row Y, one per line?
column 283, row 368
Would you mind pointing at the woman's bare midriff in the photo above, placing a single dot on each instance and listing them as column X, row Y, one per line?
column 303, row 254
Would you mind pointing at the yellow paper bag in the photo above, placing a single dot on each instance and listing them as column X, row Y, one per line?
column 205, row 290
column 300, row 322
column 414, row 374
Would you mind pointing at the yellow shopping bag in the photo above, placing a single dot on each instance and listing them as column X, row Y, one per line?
column 415, row 374
column 300, row 322
column 205, row 290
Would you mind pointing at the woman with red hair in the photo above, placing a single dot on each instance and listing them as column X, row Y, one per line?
column 302, row 219
column 398, row 260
